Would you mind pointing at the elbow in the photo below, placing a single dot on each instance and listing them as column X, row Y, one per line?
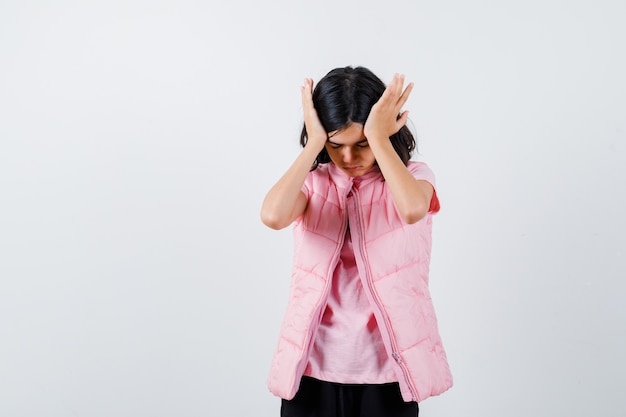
column 272, row 221
column 414, row 214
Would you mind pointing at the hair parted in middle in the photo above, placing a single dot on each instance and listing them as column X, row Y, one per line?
column 345, row 96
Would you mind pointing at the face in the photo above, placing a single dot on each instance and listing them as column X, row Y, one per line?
column 349, row 150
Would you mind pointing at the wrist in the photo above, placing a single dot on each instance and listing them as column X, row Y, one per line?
column 316, row 143
column 377, row 138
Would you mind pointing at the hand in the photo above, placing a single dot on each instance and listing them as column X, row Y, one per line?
column 316, row 134
column 383, row 120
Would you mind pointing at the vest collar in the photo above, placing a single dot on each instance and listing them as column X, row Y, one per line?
column 344, row 181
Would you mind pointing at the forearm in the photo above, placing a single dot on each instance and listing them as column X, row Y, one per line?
column 284, row 202
column 412, row 197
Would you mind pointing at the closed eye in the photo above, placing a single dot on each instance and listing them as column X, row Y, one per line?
column 362, row 144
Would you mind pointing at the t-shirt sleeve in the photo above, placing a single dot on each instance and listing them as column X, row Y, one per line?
column 307, row 186
column 421, row 171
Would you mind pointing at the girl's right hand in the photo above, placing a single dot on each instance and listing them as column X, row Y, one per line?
column 316, row 134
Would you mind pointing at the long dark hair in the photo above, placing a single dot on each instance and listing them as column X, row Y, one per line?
column 347, row 95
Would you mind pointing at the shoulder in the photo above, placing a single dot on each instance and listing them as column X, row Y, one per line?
column 317, row 179
column 421, row 171
column 321, row 174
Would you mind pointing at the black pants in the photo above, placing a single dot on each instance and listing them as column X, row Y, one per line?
column 317, row 398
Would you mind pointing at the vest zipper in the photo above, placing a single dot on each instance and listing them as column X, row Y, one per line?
column 319, row 312
column 374, row 295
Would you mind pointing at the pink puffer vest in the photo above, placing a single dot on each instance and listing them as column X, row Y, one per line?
column 393, row 261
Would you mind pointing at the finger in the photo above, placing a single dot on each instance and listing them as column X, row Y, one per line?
column 306, row 86
column 390, row 94
column 307, row 94
column 399, row 84
column 405, row 95
column 396, row 85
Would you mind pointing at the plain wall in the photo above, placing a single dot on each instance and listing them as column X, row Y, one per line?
column 138, row 138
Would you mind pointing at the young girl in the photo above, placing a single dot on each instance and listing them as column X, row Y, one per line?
column 360, row 335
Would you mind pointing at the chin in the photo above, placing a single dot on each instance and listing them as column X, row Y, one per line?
column 356, row 171
column 353, row 172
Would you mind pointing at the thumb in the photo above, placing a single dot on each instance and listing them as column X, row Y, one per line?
column 404, row 117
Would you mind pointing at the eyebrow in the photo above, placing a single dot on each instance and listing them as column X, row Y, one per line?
column 343, row 144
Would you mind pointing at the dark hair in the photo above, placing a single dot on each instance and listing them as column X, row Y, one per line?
column 347, row 95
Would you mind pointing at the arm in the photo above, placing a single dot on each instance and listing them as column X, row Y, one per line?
column 412, row 197
column 285, row 201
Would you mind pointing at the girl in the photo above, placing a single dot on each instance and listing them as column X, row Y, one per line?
column 360, row 335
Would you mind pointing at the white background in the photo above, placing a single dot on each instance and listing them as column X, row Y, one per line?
column 138, row 138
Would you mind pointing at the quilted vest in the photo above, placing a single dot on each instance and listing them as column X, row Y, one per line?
column 393, row 261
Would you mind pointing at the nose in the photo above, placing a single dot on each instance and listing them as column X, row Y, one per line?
column 348, row 154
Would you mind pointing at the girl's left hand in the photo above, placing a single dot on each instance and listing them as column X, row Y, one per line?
column 383, row 120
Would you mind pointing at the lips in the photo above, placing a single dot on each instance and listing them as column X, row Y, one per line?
column 352, row 171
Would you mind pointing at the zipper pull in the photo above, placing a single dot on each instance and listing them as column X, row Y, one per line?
column 397, row 357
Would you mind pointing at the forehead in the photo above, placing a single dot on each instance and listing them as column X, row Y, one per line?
column 347, row 136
